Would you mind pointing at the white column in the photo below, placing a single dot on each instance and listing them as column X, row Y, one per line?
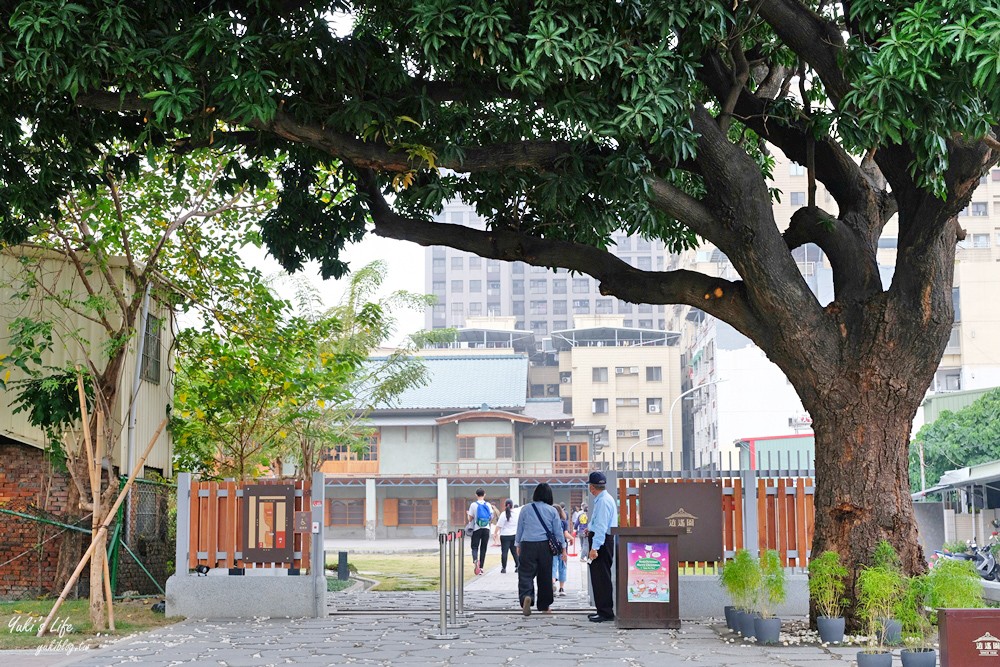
column 371, row 509
column 442, row 505
column 515, row 490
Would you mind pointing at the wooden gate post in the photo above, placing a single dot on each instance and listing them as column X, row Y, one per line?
column 183, row 544
column 748, row 476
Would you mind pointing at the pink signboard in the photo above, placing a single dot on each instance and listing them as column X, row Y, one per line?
column 648, row 572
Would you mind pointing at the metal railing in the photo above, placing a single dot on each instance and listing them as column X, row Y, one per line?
column 506, row 467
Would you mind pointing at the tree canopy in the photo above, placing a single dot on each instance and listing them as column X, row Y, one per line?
column 957, row 439
column 564, row 123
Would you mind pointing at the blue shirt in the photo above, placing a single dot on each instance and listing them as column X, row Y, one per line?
column 530, row 530
column 603, row 518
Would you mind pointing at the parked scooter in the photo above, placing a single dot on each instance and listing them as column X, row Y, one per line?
column 982, row 557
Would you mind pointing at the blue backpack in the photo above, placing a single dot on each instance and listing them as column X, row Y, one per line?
column 483, row 515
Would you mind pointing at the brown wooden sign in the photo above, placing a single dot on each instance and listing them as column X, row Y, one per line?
column 694, row 508
column 267, row 515
column 969, row 637
column 646, row 590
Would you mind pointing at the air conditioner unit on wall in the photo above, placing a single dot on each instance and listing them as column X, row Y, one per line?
column 654, row 408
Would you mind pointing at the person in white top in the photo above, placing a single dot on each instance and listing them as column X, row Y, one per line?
column 507, row 530
column 480, row 518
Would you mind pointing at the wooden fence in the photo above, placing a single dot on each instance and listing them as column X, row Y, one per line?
column 216, row 525
column 783, row 510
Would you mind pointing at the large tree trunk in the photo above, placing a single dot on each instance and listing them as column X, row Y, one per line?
column 862, row 417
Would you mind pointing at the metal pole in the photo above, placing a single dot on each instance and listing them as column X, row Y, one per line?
column 442, row 582
column 455, row 621
column 461, row 576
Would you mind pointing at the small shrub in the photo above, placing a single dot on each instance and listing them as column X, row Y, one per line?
column 827, row 583
column 741, row 579
column 771, row 590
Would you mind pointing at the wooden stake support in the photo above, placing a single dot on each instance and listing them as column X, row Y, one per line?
column 102, row 529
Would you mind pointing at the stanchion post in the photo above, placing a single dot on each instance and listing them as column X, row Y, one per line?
column 443, row 582
column 461, row 576
column 455, row 621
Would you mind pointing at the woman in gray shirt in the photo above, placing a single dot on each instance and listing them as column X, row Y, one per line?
column 536, row 522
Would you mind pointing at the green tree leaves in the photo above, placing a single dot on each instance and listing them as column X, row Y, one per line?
column 957, row 439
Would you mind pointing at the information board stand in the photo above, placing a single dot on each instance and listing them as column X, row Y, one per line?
column 646, row 577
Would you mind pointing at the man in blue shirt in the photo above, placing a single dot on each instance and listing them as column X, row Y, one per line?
column 603, row 518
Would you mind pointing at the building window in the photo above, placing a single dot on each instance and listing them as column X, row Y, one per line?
column 581, row 286
column 559, row 286
column 475, row 308
column 642, row 244
column 599, row 406
column 438, row 286
column 466, row 447
column 644, row 263
column 568, row 405
column 151, row 350
column 518, row 268
column 979, row 209
column 437, row 264
column 795, row 169
column 492, row 288
column 505, row 447
column 536, row 286
column 600, row 374
column 558, row 307
column 654, row 436
column 537, row 269
column 645, row 307
column 536, row 391
column 475, row 286
column 493, row 266
column 654, row 405
column 632, row 402
column 475, row 262
column 604, row 307
column 956, row 302
column 346, row 512
column 457, row 309
column 517, row 286
column 539, row 327
column 798, row 199
column 624, row 306
column 415, row 511
column 654, row 374
column 980, row 240
column 581, row 306
column 645, row 324
column 457, row 286
column 626, row 370
column 458, row 263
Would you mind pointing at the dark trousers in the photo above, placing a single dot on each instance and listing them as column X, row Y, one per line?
column 600, row 578
column 536, row 564
column 480, row 540
column 507, row 544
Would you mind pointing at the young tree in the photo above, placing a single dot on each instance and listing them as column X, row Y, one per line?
column 81, row 285
column 565, row 123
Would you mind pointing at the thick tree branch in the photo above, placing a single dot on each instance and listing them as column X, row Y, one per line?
column 683, row 207
column 721, row 298
column 855, row 270
column 814, row 38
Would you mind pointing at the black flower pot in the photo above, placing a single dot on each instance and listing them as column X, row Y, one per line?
column 731, row 612
column 876, row 659
column 767, row 630
column 831, row 629
column 890, row 632
column 918, row 657
column 746, row 623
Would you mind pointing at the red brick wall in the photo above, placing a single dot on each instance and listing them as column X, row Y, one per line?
column 28, row 480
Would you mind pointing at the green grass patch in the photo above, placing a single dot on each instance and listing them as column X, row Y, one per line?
column 335, row 585
column 71, row 627
column 401, row 572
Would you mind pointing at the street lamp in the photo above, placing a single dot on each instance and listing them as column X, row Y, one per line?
column 639, row 442
column 670, row 414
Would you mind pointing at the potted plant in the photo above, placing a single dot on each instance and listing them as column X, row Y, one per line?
column 744, row 577
column 826, row 589
column 729, row 583
column 954, row 584
column 880, row 587
column 771, row 593
column 917, row 628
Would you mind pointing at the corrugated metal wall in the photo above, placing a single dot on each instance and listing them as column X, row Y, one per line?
column 58, row 277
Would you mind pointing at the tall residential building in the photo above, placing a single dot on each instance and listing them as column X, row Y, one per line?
column 540, row 300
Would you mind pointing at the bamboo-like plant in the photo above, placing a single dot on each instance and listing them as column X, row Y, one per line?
column 881, row 587
column 771, row 584
column 740, row 577
column 827, row 582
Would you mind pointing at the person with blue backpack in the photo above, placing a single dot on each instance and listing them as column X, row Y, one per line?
column 480, row 518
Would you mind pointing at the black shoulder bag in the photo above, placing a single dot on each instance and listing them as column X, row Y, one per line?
column 554, row 545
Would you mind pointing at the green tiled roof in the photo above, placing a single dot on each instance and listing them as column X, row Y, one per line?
column 468, row 382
